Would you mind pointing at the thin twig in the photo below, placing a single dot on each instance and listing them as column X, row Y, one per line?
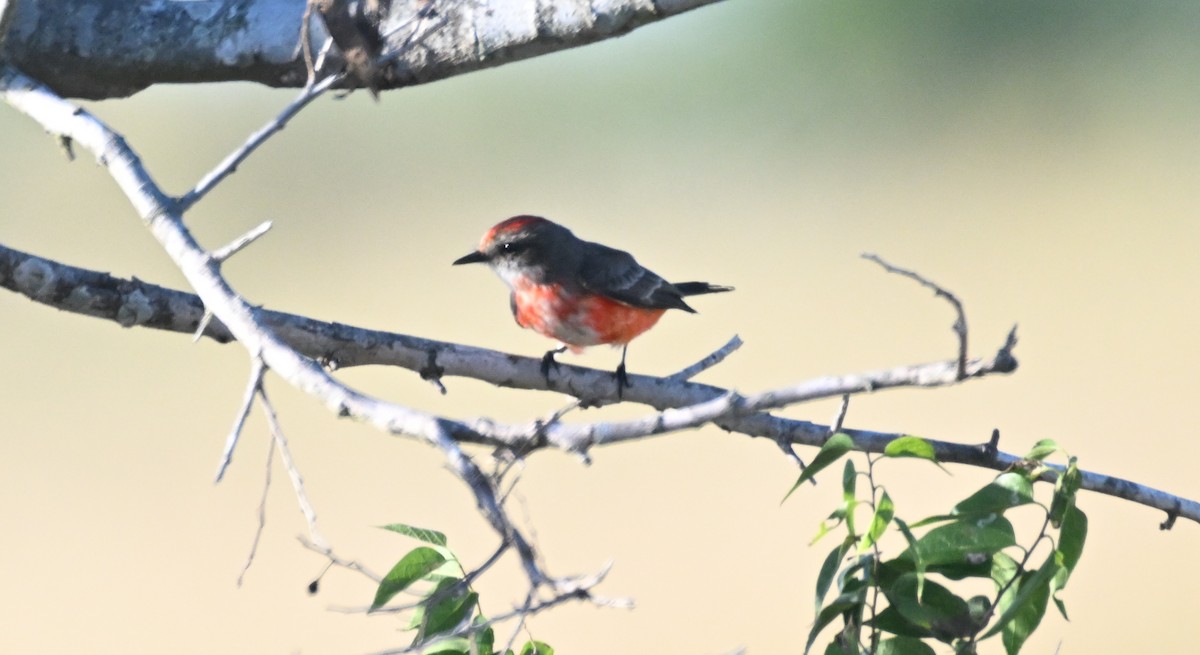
column 960, row 323
column 202, row 326
column 350, row 565
column 262, row 512
column 524, row 615
column 716, row 357
column 285, row 454
column 257, row 369
column 230, row 163
column 836, row 426
column 241, row 242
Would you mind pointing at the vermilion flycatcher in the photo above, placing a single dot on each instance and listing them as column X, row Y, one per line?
column 578, row 292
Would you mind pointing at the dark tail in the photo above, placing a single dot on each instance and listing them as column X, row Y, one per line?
column 699, row 288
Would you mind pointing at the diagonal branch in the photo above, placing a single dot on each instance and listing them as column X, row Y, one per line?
column 162, row 217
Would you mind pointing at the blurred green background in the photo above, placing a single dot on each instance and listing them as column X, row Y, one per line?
column 1040, row 159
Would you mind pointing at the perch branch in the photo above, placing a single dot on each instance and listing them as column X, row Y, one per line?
column 97, row 294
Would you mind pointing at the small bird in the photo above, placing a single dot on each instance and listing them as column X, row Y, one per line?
column 578, row 292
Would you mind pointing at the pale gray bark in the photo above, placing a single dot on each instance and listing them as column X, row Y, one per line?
column 113, row 48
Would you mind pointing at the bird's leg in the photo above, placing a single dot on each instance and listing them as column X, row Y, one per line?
column 549, row 362
column 622, row 378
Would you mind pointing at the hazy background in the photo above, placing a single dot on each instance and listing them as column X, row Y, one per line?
column 1040, row 159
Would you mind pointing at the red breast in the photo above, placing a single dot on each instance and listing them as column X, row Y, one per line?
column 579, row 319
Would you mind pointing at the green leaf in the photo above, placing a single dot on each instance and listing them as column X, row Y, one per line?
column 428, row 536
column 829, row 569
column 915, row 555
column 835, row 518
column 1062, row 608
column 412, row 567
column 848, row 601
column 1042, row 449
column 417, row 618
column 452, row 646
column 445, row 613
column 849, row 481
column 822, row 530
column 1028, row 603
column 536, row 648
column 910, row 446
column 1064, row 492
column 1006, row 491
column 1004, row 568
column 938, row 609
column 980, row 610
column 485, row 640
column 1026, row 617
column 903, row 646
column 961, row 570
column 936, row 518
column 891, row 621
column 968, row 541
column 835, row 446
column 1071, row 538
column 884, row 512
column 849, row 499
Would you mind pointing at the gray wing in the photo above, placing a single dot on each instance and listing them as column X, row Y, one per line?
column 617, row 275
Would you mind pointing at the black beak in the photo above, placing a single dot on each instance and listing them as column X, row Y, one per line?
column 472, row 258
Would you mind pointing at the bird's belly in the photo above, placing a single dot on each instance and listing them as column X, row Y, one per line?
column 579, row 320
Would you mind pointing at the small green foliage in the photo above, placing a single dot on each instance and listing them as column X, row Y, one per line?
column 411, row 568
column 897, row 606
column 1064, row 492
column 1008, row 490
column 420, row 534
column 830, row 568
column 964, row 541
column 835, row 447
column 536, row 648
column 1042, row 449
column 910, row 446
column 903, row 646
column 447, row 618
column 880, row 522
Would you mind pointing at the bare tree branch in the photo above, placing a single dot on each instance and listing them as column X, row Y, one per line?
column 257, row 370
column 708, row 362
column 75, row 47
column 97, row 294
column 289, row 464
column 242, row 320
column 960, row 322
column 262, row 513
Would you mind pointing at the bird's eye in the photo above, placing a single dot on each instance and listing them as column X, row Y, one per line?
column 513, row 246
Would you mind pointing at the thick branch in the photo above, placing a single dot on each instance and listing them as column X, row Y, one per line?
column 112, row 48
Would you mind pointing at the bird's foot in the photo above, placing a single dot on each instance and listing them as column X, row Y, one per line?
column 548, row 362
column 622, row 381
